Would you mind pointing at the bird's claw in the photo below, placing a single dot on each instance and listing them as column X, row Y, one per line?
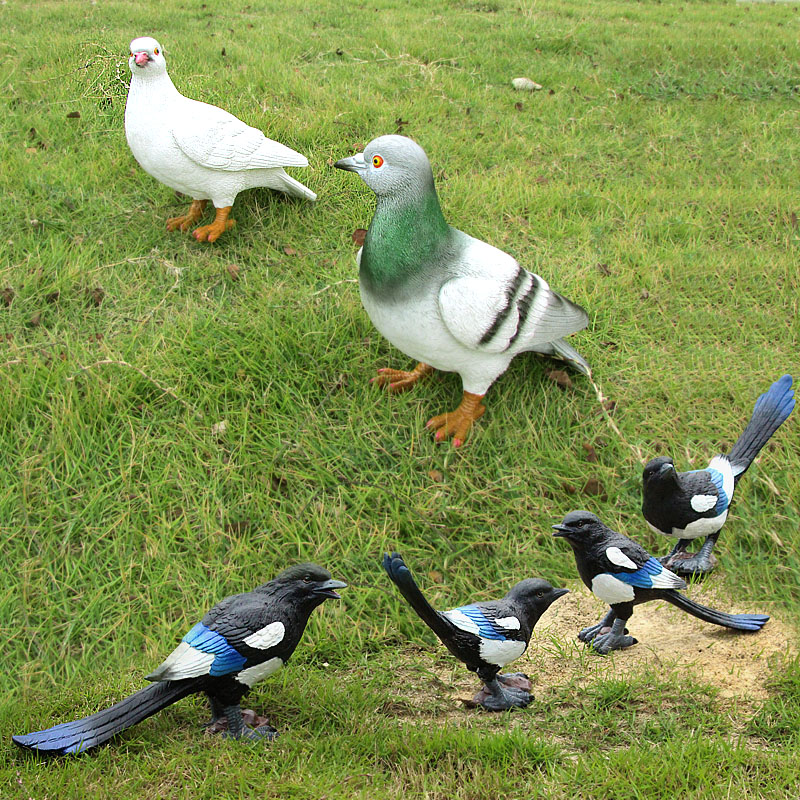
column 457, row 423
column 503, row 698
column 696, row 565
column 516, row 680
column 185, row 221
column 398, row 380
column 262, row 733
column 212, row 232
column 604, row 643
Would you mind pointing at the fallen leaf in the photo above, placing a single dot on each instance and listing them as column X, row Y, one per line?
column 219, row 428
column 644, row 295
column 74, row 115
column 401, row 123
column 233, row 271
column 568, row 487
column 435, row 576
column 97, row 295
column 435, row 476
column 603, row 269
column 358, row 236
column 290, row 251
column 7, row 296
column 591, row 453
column 32, row 150
column 35, row 319
column 595, row 488
column 518, row 106
column 793, row 220
column 52, row 297
column 560, row 377
column 223, row 53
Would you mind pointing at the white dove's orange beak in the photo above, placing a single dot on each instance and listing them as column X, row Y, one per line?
column 141, row 59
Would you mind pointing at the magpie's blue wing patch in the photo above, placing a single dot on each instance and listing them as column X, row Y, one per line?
column 718, row 479
column 651, row 575
column 226, row 658
column 473, row 620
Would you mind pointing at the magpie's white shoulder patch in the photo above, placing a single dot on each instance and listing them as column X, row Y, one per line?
column 266, row 637
column 509, row 623
column 703, row 502
column 617, row 557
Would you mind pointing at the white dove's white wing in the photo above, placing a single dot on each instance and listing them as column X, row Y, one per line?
column 216, row 139
column 498, row 305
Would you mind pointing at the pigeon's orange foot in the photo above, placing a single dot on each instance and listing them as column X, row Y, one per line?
column 397, row 380
column 195, row 212
column 457, row 423
column 212, row 232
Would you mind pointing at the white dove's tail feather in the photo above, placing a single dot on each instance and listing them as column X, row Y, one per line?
column 295, row 188
column 560, row 349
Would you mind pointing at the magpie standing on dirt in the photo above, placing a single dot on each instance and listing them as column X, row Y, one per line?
column 687, row 505
column 240, row 641
column 623, row 574
column 485, row 636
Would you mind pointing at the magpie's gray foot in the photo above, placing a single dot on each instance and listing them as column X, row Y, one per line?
column 604, row 626
column 264, row 733
column 615, row 639
column 238, row 729
column 677, row 552
column 496, row 696
column 694, row 566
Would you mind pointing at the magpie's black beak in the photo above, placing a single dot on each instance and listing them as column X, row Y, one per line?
column 666, row 468
column 559, row 592
column 328, row 588
column 561, row 530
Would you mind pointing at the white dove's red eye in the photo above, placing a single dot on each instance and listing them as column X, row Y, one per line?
column 377, row 161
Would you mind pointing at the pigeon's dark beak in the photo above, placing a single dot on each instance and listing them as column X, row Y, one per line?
column 561, row 530
column 327, row 589
column 355, row 163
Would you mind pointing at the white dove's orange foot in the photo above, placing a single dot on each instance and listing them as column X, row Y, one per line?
column 398, row 380
column 457, row 423
column 212, row 232
column 183, row 223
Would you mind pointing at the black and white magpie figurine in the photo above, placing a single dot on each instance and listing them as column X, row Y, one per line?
column 623, row 574
column 238, row 642
column 687, row 505
column 485, row 636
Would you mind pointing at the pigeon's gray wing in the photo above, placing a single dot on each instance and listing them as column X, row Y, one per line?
column 497, row 305
column 216, row 139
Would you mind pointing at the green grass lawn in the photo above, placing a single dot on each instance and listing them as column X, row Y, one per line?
column 653, row 180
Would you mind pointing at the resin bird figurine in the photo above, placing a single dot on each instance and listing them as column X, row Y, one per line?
column 485, row 636
column 688, row 505
column 449, row 301
column 623, row 574
column 241, row 640
column 199, row 149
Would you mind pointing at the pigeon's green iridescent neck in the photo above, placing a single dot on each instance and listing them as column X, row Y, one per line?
column 403, row 242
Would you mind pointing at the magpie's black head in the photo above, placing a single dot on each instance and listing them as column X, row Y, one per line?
column 659, row 469
column 307, row 583
column 581, row 528
column 535, row 595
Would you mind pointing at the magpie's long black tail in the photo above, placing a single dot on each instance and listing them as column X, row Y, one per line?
column 78, row 736
column 770, row 411
column 401, row 577
column 739, row 622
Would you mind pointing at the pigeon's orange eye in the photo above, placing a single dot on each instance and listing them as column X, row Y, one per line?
column 155, row 51
column 377, row 161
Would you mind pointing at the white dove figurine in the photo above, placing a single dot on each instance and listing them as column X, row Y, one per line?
column 197, row 148
column 447, row 300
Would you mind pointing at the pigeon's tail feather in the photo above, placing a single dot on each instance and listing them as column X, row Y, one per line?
column 397, row 570
column 562, row 350
column 770, row 411
column 738, row 622
column 295, row 188
column 78, row 736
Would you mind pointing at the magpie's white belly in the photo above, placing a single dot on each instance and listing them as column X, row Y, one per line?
column 415, row 327
column 611, row 590
column 704, row 526
column 501, row 652
column 251, row 675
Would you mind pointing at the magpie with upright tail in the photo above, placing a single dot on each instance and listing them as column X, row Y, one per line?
column 623, row 574
column 239, row 641
column 485, row 636
column 687, row 505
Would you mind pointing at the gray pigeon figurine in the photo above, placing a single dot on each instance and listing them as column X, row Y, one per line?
column 447, row 300
column 197, row 148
